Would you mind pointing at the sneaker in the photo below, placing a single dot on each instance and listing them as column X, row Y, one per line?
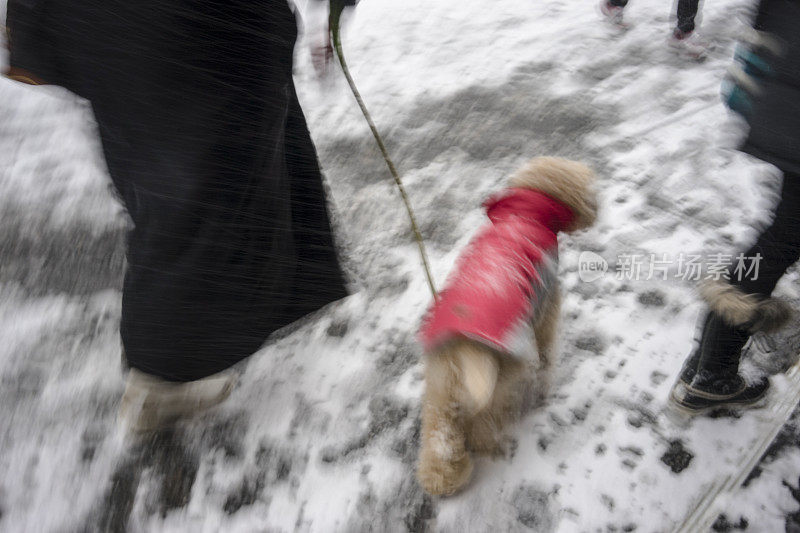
column 612, row 13
column 690, row 44
column 724, row 393
column 151, row 403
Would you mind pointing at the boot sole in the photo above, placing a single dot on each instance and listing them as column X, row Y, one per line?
column 685, row 410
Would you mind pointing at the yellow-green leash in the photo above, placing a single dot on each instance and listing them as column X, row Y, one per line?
column 336, row 9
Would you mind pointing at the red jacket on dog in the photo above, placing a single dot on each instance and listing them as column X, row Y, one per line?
column 491, row 297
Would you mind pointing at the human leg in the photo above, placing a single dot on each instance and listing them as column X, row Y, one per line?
column 687, row 12
column 741, row 308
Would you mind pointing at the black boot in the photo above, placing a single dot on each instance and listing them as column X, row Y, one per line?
column 719, row 349
column 729, row 392
column 689, row 368
column 709, row 378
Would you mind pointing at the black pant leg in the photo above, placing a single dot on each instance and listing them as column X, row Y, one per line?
column 687, row 11
column 778, row 246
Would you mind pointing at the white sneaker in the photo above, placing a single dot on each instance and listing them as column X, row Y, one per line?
column 151, row 403
column 690, row 44
column 612, row 13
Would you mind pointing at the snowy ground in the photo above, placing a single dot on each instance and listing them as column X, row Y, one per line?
column 321, row 434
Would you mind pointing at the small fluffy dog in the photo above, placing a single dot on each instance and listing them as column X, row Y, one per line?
column 498, row 311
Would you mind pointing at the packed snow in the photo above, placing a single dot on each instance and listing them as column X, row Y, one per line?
column 322, row 431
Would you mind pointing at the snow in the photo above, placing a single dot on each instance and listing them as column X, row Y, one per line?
column 322, row 431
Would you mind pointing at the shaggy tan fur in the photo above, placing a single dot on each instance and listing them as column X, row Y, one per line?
column 569, row 182
column 472, row 391
column 742, row 310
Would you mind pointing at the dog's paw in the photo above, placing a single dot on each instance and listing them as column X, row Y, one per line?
column 443, row 477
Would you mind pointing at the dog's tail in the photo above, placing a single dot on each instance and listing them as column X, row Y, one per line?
column 479, row 369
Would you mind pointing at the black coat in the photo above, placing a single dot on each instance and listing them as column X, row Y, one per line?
column 209, row 150
column 774, row 114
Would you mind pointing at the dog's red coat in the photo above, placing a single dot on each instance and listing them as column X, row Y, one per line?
column 493, row 289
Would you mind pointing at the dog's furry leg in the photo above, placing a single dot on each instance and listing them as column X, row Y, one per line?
column 479, row 368
column 546, row 326
column 546, row 330
column 520, row 384
column 444, row 464
column 485, row 429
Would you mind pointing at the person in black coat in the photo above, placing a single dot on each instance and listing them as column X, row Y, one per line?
column 765, row 88
column 209, row 151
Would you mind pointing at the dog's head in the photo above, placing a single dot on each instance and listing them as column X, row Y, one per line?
column 569, row 182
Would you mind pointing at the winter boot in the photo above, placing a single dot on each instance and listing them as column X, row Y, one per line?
column 690, row 44
column 151, row 403
column 719, row 346
column 709, row 393
column 749, row 312
column 709, row 379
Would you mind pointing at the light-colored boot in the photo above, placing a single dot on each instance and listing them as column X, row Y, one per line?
column 151, row 403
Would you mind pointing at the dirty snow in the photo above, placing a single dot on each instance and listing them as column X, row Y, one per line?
column 321, row 434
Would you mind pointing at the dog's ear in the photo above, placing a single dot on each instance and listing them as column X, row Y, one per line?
column 569, row 182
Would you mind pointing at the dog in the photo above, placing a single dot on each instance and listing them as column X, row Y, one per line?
column 498, row 311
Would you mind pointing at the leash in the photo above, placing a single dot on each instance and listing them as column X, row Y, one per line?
column 336, row 8
column 701, row 517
